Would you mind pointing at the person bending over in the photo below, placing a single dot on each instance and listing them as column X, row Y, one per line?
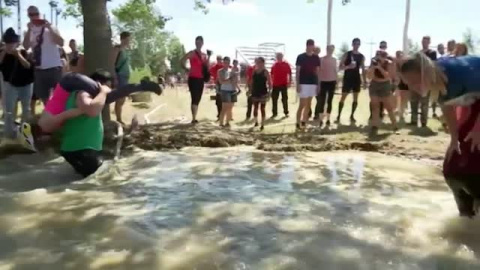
column 456, row 80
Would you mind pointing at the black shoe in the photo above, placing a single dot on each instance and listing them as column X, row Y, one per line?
column 298, row 127
column 374, row 130
column 424, row 125
column 435, row 115
column 328, row 123
column 338, row 120
column 320, row 124
column 316, row 117
column 287, row 115
column 274, row 115
column 413, row 124
column 395, row 130
column 352, row 119
column 256, row 124
column 304, row 124
column 150, row 86
column 194, row 122
column 261, row 128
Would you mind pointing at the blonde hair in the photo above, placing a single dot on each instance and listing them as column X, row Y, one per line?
column 429, row 71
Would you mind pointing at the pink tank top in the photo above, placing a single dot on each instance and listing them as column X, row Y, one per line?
column 57, row 102
column 196, row 64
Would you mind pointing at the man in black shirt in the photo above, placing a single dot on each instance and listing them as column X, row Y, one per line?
column 416, row 99
column 308, row 68
column 352, row 62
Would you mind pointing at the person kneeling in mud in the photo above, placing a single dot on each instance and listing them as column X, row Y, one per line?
column 456, row 80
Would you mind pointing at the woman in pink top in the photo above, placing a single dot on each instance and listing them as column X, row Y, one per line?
column 196, row 80
column 328, row 84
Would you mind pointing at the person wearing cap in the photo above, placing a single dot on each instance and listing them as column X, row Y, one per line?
column 307, row 74
column 18, row 77
column 281, row 74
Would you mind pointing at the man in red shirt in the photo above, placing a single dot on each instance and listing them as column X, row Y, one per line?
column 249, row 75
column 281, row 79
column 214, row 73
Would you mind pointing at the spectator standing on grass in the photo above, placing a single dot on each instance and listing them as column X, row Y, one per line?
column 308, row 68
column 122, row 70
column 328, row 84
column 451, row 47
column 196, row 74
column 44, row 40
column 281, row 74
column 18, row 74
column 249, row 75
column 352, row 62
column 380, row 89
column 415, row 99
column 214, row 72
column 261, row 89
column 76, row 58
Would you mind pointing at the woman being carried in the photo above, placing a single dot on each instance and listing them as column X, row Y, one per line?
column 457, row 81
column 55, row 114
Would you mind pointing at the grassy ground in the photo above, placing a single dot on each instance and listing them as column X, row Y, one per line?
column 173, row 107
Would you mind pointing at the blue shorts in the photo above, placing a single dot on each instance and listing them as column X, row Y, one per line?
column 228, row 96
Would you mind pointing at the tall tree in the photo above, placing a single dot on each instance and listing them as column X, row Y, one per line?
column 5, row 12
column 176, row 51
column 146, row 23
column 470, row 40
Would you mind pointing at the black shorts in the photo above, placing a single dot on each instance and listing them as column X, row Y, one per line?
column 85, row 162
column 195, row 86
column 351, row 85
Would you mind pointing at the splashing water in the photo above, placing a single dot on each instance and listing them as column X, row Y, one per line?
column 234, row 208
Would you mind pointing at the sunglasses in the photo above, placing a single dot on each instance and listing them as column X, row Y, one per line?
column 33, row 14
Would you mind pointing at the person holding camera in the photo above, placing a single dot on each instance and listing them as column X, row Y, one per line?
column 44, row 40
column 18, row 77
column 380, row 89
column 198, row 74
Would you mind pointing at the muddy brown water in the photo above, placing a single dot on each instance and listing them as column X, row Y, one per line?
column 235, row 208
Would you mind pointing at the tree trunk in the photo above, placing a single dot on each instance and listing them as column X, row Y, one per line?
column 405, row 28
column 329, row 22
column 97, row 39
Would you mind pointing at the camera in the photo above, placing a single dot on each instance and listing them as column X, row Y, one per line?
column 209, row 52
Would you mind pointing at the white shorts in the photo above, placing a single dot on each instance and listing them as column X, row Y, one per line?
column 308, row 90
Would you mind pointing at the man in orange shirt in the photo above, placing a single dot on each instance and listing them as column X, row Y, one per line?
column 249, row 74
column 214, row 73
column 281, row 79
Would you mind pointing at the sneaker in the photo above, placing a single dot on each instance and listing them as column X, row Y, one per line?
column 304, row 124
column 261, row 128
column 328, row 123
column 352, row 119
column 256, row 124
column 150, row 86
